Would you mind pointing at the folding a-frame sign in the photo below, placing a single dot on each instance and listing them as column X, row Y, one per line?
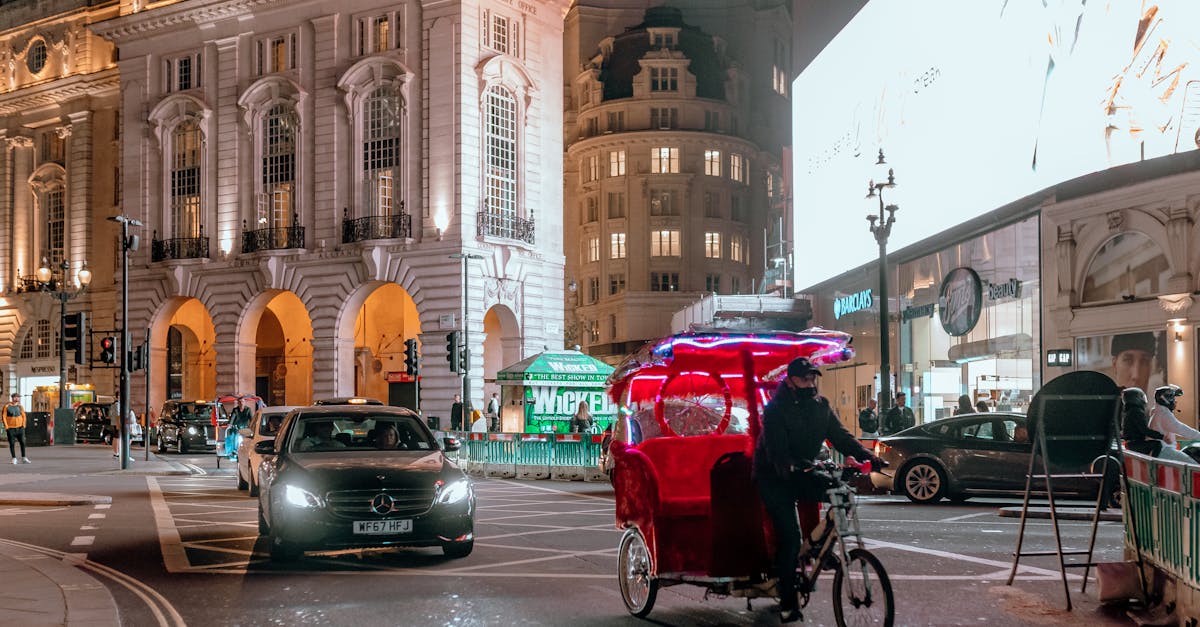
column 1073, row 423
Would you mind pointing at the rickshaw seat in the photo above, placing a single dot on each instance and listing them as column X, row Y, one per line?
column 683, row 465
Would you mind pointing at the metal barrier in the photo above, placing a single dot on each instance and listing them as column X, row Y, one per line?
column 1164, row 499
column 563, row 456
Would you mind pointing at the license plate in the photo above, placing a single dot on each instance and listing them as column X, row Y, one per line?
column 381, row 527
column 211, row 442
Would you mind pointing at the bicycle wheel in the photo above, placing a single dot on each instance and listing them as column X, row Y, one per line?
column 638, row 587
column 862, row 593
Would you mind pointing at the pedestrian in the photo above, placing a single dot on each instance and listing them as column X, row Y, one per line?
column 1135, row 424
column 795, row 424
column 964, row 406
column 130, row 421
column 493, row 411
column 981, row 406
column 14, row 426
column 456, row 414
column 1163, row 420
column 582, row 420
column 868, row 420
column 898, row 418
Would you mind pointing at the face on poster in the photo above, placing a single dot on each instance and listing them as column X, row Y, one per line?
column 1131, row 359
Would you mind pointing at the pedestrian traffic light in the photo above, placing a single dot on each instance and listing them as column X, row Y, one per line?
column 108, row 350
column 74, row 332
column 412, row 361
column 452, row 351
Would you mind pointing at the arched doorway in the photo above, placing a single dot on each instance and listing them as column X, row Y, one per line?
column 501, row 345
column 282, row 338
column 190, row 365
column 388, row 316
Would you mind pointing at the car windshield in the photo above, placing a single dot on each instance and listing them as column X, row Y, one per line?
column 194, row 412
column 268, row 424
column 359, row 432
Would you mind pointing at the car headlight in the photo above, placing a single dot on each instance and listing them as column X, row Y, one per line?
column 299, row 497
column 453, row 492
column 191, row 430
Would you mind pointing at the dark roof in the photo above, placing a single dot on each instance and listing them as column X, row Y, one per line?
column 630, row 46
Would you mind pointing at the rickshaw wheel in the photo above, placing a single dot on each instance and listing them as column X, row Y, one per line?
column 638, row 587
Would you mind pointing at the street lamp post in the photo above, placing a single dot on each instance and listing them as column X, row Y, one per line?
column 466, row 335
column 57, row 286
column 881, row 231
column 128, row 243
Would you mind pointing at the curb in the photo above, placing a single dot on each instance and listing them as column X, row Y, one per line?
column 84, row 600
column 51, row 498
column 1064, row 513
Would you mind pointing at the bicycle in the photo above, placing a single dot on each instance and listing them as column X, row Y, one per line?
column 862, row 592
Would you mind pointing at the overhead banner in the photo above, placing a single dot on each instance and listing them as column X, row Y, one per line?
column 978, row 104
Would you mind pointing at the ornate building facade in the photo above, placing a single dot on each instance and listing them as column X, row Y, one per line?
column 317, row 180
column 675, row 120
column 59, row 125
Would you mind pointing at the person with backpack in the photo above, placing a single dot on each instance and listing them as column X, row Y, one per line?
column 14, row 426
column 868, row 420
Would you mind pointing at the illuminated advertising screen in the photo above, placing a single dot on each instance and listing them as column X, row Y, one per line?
column 977, row 104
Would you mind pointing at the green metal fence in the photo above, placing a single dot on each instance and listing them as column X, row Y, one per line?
column 1162, row 512
column 484, row 451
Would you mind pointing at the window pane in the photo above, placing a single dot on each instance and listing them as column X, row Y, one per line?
column 185, row 179
column 381, row 151
column 500, row 119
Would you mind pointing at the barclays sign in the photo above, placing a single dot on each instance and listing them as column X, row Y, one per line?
column 851, row 303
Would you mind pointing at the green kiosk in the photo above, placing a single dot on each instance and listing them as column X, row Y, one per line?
column 540, row 394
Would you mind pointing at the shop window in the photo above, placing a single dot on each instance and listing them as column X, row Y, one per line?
column 1127, row 267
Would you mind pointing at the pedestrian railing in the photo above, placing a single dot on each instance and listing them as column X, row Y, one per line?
column 530, row 455
column 1162, row 516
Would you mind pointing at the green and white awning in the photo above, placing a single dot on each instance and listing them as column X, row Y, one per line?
column 562, row 368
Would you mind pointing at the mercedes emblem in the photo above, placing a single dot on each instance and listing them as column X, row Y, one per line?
column 383, row 504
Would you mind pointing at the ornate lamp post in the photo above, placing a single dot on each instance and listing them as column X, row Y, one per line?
column 881, row 231
column 55, row 283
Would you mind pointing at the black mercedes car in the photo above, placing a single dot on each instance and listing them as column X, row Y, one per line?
column 969, row 455
column 360, row 476
column 188, row 426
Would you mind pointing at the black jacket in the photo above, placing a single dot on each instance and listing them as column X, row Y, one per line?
column 793, row 429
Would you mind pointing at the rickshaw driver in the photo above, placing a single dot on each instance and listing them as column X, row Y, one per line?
column 795, row 424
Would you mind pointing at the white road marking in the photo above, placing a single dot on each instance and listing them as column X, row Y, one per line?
column 83, row 540
column 103, row 505
column 96, row 516
column 966, row 516
column 174, row 555
column 959, row 557
column 991, row 531
column 88, row 528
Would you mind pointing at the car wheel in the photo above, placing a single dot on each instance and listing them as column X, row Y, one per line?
column 107, row 438
column 282, row 550
column 162, row 445
column 263, row 527
column 458, row 549
column 923, row 482
column 242, row 484
column 253, row 486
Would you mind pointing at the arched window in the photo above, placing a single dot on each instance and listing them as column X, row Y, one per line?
column 381, row 151
column 1128, row 266
column 186, row 151
column 277, row 198
column 41, row 341
column 500, row 166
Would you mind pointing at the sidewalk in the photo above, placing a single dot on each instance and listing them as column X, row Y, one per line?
column 43, row 586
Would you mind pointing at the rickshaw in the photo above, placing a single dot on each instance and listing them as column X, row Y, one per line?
column 682, row 450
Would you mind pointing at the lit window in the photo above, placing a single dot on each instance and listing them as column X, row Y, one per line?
column 276, row 54
column 735, row 249
column 381, row 151
column 182, row 73
column 664, row 160
column 779, row 70
column 737, row 170
column 277, row 195
column 664, row 79
column 664, row 243
column 712, row 162
column 56, row 224
column 591, row 169
column 186, row 147
column 616, row 163
column 593, row 249
column 617, row 246
column 712, row 245
column 664, row 202
column 500, row 171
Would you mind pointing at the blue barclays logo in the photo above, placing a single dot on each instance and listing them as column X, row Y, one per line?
column 847, row 305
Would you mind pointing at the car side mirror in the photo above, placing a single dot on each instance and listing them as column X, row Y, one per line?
column 450, row 443
column 265, row 448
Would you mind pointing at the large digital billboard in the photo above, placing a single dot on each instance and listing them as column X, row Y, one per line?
column 977, row 104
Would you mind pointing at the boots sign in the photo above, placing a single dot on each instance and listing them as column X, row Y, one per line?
column 960, row 301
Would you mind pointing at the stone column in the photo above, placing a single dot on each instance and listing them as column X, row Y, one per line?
column 1179, row 227
column 25, row 257
column 333, row 364
column 80, row 174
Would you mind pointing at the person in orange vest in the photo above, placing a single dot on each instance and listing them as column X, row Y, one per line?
column 14, row 425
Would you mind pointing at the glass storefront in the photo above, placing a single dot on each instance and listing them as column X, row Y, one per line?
column 970, row 323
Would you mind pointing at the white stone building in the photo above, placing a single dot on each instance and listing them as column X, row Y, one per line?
column 305, row 170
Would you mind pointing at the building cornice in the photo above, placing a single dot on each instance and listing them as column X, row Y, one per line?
column 59, row 92
column 657, row 137
column 137, row 25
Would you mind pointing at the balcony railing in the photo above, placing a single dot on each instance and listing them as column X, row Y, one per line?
column 179, row 247
column 276, row 238
column 375, row 227
column 28, row 283
column 504, row 226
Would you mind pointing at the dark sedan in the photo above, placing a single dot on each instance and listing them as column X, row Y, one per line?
column 93, row 422
column 188, row 426
column 361, row 476
column 968, row 455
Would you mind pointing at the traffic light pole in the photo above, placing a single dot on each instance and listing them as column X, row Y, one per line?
column 123, row 406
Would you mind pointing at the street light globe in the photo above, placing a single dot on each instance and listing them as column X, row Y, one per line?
column 43, row 272
column 85, row 276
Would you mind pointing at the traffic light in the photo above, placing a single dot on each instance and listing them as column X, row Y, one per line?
column 412, row 361
column 452, row 351
column 138, row 357
column 464, row 358
column 108, row 350
column 74, row 332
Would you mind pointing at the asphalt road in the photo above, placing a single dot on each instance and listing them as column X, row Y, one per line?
column 185, row 550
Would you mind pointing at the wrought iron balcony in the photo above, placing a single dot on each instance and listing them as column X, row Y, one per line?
column 277, row 238
column 504, row 226
column 179, row 247
column 28, row 283
column 375, row 227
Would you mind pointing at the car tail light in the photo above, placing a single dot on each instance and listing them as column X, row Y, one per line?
column 881, row 449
